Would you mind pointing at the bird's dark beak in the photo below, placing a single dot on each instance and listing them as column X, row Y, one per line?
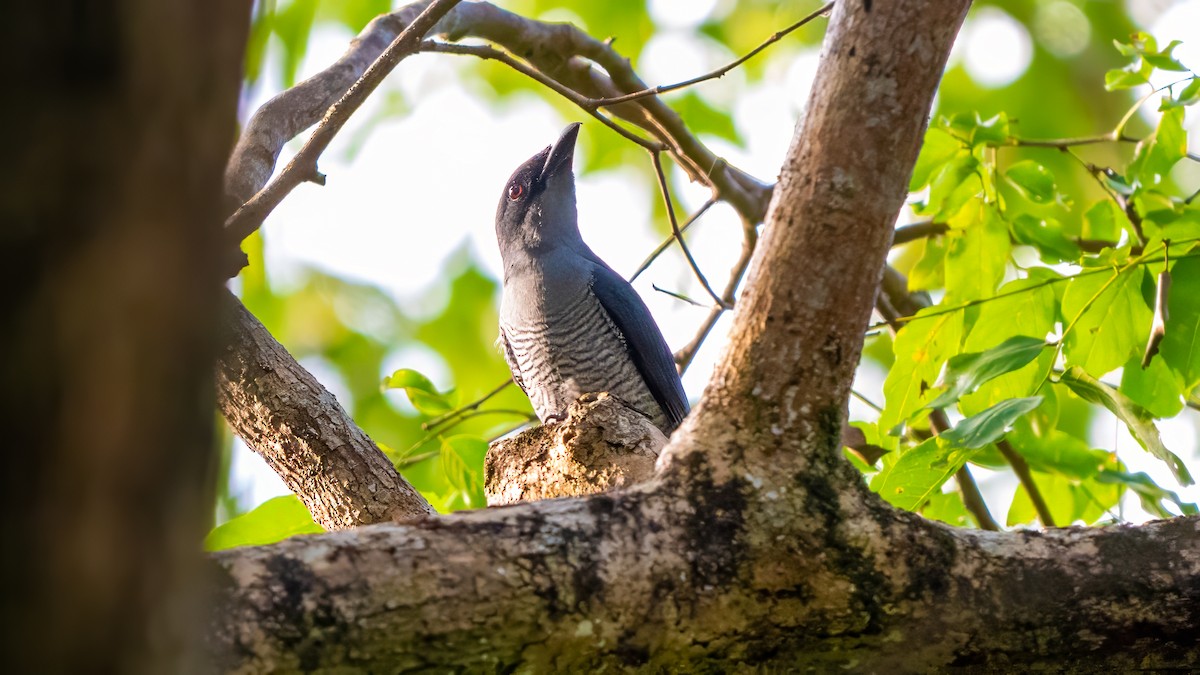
column 561, row 153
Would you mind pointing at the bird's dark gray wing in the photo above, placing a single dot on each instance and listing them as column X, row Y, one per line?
column 511, row 359
column 645, row 342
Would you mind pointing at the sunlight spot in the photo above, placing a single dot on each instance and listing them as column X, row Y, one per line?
column 680, row 13
column 1062, row 28
column 996, row 48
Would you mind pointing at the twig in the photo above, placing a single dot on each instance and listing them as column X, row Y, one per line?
column 971, row 496
column 677, row 296
column 909, row 233
column 719, row 72
column 1142, row 259
column 1021, row 468
column 868, row 402
column 485, row 52
column 658, row 250
column 973, row 500
column 303, row 167
column 684, row 357
column 666, row 194
column 441, row 420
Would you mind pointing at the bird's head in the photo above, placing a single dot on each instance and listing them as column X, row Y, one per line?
column 537, row 208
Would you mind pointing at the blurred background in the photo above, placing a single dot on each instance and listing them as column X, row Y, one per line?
column 393, row 264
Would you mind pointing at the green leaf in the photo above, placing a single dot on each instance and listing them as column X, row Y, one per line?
column 273, row 520
column 918, row 473
column 990, row 425
column 1047, row 237
column 930, row 270
column 965, row 372
column 1109, row 319
column 1021, row 307
column 1105, row 221
column 952, row 187
column 462, row 460
column 1187, row 96
column 1135, row 417
column 406, row 378
column 921, row 347
column 1151, row 495
column 978, row 253
column 1163, row 60
column 1033, row 180
column 947, row 507
column 1058, row 452
column 1155, row 387
column 1156, row 155
column 938, row 149
column 429, row 404
column 1180, row 348
column 1069, row 500
column 1115, row 80
column 420, row 391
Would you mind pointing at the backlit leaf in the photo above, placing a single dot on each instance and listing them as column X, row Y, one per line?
column 273, row 520
column 1135, row 417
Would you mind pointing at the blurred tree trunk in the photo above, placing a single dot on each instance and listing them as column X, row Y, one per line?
column 117, row 122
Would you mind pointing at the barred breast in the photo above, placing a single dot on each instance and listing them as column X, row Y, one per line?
column 574, row 348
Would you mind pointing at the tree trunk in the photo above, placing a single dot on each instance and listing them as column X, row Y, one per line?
column 118, row 122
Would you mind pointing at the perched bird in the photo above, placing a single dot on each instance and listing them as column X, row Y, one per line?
column 569, row 324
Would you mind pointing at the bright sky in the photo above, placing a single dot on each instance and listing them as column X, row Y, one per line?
column 425, row 183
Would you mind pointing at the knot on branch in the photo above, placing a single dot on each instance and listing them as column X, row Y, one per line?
column 602, row 445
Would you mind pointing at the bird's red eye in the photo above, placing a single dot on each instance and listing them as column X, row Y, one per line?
column 515, row 192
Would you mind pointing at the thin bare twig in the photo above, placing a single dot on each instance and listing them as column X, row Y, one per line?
column 303, row 167
column 666, row 243
column 666, row 194
column 677, row 296
column 442, row 420
column 719, row 72
column 866, row 401
column 684, row 357
column 485, row 52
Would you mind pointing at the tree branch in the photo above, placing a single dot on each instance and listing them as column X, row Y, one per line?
column 280, row 410
column 303, row 167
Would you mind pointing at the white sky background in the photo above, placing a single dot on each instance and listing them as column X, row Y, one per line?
column 425, row 183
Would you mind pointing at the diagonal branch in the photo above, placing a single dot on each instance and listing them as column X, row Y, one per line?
column 303, row 167
column 297, row 426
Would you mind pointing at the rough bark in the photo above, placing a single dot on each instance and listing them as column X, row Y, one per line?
column 602, row 445
column 298, row 427
column 756, row 544
column 116, row 123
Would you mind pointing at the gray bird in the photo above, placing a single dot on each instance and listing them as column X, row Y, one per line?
column 569, row 324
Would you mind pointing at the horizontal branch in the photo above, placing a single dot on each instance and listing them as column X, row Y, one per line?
column 678, row 578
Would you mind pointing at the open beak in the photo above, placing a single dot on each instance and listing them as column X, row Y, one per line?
column 562, row 152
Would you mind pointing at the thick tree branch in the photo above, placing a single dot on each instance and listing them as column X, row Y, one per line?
column 285, row 415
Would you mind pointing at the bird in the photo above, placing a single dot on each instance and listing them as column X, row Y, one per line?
column 569, row 324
